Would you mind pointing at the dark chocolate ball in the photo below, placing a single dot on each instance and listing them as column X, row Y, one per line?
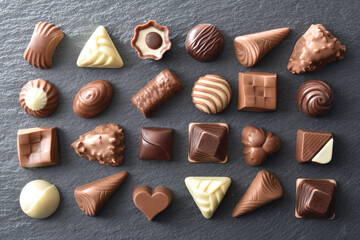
column 153, row 40
column 204, row 42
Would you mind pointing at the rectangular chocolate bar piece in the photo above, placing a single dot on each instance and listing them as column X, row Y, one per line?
column 38, row 147
column 257, row 91
column 157, row 92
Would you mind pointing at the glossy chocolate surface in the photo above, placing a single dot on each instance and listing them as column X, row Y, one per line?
column 315, row 198
column 309, row 143
column 208, row 142
column 204, row 42
column 156, row 143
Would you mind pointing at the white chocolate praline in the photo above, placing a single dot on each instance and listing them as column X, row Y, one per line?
column 35, row 99
column 100, row 52
column 141, row 42
column 39, row 199
column 207, row 192
column 325, row 154
column 211, row 94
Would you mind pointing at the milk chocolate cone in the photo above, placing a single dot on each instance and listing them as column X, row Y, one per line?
column 92, row 196
column 264, row 189
column 249, row 49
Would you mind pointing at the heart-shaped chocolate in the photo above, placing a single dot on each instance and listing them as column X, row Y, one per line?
column 152, row 202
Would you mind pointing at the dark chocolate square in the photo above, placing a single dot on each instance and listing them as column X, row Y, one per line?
column 315, row 198
column 38, row 147
column 208, row 142
column 156, row 143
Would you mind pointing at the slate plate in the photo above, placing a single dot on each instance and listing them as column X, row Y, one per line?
column 182, row 220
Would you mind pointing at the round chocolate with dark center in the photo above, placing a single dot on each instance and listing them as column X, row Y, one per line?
column 204, row 42
column 153, row 40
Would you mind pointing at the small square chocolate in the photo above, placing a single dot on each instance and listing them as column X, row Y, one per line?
column 208, row 142
column 315, row 198
column 156, row 143
column 38, row 147
column 257, row 91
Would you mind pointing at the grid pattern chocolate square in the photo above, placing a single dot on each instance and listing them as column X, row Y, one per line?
column 257, row 91
column 38, row 147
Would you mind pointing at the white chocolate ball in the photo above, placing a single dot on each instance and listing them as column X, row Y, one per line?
column 39, row 199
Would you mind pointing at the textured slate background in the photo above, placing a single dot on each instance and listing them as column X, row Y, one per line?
column 182, row 220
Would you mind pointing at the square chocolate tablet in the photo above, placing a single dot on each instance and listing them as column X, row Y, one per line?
column 38, row 147
column 314, row 146
column 208, row 142
column 156, row 143
column 315, row 198
column 257, row 91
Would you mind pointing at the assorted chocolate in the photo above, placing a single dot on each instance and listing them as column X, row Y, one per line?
column 156, row 143
column 315, row 98
column 104, row 144
column 157, row 92
column 38, row 147
column 207, row 192
column 93, row 98
column 151, row 40
column 40, row 51
column 204, row 42
column 314, row 50
column 258, row 144
column 39, row 199
column 100, row 52
column 152, row 202
column 39, row 98
column 314, row 146
column 315, row 198
column 208, row 142
column 265, row 188
column 257, row 91
column 249, row 49
column 211, row 94
column 91, row 197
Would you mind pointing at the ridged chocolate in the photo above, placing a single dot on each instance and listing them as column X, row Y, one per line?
column 204, row 42
column 39, row 98
column 314, row 50
column 40, row 50
column 91, row 197
column 309, row 143
column 156, row 143
column 315, row 198
column 258, row 145
column 315, row 98
column 152, row 202
column 93, row 98
column 265, row 188
column 249, row 49
column 157, row 92
column 104, row 144
column 211, row 94
column 208, row 142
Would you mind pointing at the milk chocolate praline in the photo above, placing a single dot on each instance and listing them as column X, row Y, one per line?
column 93, row 98
column 315, row 98
column 204, row 42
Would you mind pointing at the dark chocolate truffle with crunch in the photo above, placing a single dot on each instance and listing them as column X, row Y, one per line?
column 204, row 42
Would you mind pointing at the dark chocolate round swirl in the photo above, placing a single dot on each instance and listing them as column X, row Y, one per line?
column 315, row 98
column 93, row 98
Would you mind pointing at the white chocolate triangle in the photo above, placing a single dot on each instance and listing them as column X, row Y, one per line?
column 99, row 52
column 207, row 192
column 325, row 154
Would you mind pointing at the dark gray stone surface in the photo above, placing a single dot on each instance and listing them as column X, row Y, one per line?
column 182, row 220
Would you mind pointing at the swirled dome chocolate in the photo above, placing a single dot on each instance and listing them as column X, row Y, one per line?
column 93, row 98
column 204, row 42
column 315, row 98
column 39, row 98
